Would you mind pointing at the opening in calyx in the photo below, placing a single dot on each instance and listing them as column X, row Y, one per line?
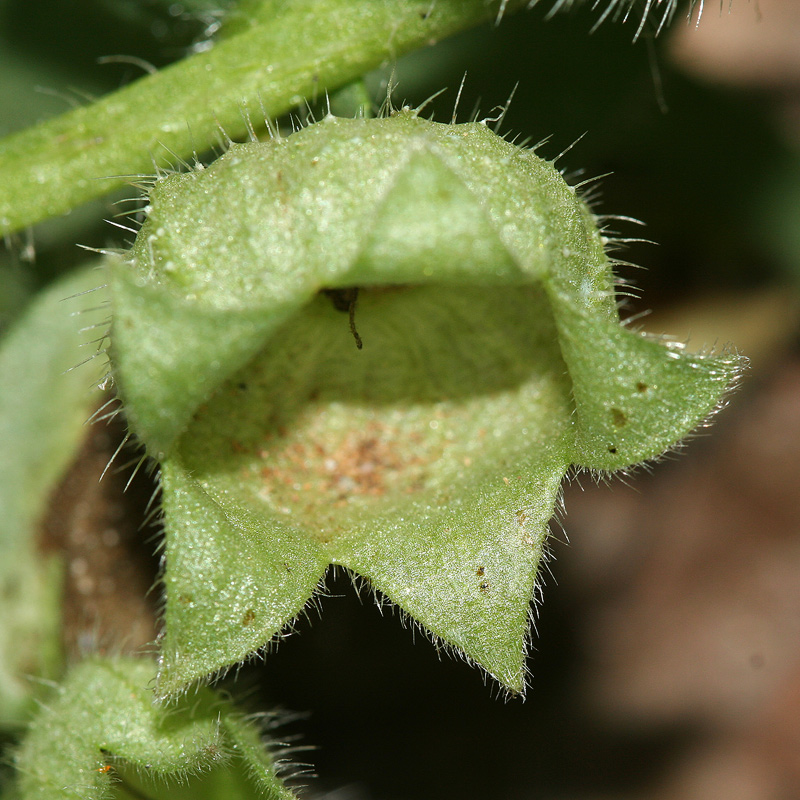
column 428, row 461
column 453, row 385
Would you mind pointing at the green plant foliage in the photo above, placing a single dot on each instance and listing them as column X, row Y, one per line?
column 428, row 462
column 38, row 438
column 102, row 724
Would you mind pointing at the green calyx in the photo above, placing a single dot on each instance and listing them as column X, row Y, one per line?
column 100, row 730
column 429, row 461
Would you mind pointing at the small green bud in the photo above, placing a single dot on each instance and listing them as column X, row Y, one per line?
column 101, row 726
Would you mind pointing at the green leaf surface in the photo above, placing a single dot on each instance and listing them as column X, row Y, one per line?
column 102, row 724
column 428, row 462
column 38, row 439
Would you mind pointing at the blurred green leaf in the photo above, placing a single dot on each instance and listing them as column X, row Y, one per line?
column 44, row 405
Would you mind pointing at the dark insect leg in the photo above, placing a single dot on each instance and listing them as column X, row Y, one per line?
column 345, row 300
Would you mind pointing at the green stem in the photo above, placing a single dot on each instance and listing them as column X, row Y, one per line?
column 132, row 793
column 352, row 100
column 282, row 53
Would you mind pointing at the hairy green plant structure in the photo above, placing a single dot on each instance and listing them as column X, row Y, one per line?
column 373, row 345
column 38, row 440
column 429, row 462
column 272, row 54
column 102, row 726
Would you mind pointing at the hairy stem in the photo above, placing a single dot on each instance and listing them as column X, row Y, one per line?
column 280, row 54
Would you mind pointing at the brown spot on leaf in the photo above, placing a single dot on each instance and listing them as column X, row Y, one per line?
column 619, row 418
